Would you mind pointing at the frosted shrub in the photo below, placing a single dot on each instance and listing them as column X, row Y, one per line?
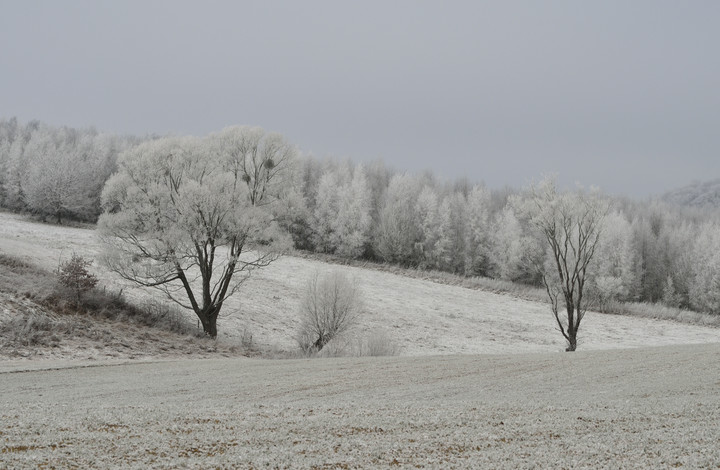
column 331, row 307
column 378, row 343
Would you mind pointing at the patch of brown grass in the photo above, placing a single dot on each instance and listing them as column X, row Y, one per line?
column 16, row 449
column 42, row 319
column 25, row 280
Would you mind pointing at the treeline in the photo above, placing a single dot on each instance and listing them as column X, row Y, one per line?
column 56, row 172
column 650, row 251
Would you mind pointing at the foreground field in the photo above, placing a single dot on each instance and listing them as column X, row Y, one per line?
column 641, row 408
column 421, row 317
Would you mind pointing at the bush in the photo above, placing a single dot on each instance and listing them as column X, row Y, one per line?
column 374, row 343
column 378, row 343
column 331, row 307
column 73, row 275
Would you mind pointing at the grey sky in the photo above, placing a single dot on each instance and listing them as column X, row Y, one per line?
column 620, row 94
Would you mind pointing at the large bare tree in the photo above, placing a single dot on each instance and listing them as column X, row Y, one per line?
column 571, row 223
column 193, row 217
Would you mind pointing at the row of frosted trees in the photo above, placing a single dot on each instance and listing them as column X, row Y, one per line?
column 649, row 251
column 56, row 173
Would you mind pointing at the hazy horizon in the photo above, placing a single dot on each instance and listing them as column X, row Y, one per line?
column 618, row 95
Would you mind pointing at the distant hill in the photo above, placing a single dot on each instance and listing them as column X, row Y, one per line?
column 705, row 194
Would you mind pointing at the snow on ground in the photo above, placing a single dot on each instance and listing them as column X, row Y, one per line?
column 635, row 408
column 422, row 317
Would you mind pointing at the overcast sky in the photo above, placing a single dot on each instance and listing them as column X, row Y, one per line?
column 624, row 94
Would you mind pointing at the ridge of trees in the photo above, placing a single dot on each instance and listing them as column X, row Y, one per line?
column 700, row 194
column 650, row 251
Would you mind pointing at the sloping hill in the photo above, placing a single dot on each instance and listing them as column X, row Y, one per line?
column 30, row 331
column 701, row 194
column 421, row 316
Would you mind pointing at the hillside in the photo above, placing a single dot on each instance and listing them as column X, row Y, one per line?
column 701, row 194
column 37, row 327
column 419, row 316
column 639, row 408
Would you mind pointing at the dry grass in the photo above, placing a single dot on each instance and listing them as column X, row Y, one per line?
column 41, row 319
column 663, row 312
column 23, row 279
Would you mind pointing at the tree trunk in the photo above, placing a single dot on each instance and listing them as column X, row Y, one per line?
column 211, row 327
column 572, row 340
column 208, row 318
column 572, row 327
column 320, row 343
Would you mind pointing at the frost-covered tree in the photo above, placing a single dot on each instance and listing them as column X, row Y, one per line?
column 56, row 172
column 293, row 216
column 57, row 176
column 427, row 214
column 705, row 288
column 300, row 216
column 510, row 248
column 613, row 277
column 100, row 151
column 4, row 161
column 450, row 249
column 351, row 225
column 398, row 231
column 478, row 225
column 571, row 224
column 671, row 298
column 17, row 169
column 680, row 245
column 326, row 210
column 650, row 244
column 192, row 217
column 378, row 178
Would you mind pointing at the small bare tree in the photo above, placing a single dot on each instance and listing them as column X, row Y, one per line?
column 73, row 274
column 330, row 308
column 571, row 223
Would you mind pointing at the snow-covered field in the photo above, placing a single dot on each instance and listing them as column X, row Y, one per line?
column 635, row 408
column 421, row 317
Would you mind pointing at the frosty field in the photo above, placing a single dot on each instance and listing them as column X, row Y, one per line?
column 480, row 383
column 638, row 408
column 421, row 317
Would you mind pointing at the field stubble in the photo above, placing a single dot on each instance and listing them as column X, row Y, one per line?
column 641, row 408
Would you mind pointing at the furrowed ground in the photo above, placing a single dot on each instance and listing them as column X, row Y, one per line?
column 639, row 408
